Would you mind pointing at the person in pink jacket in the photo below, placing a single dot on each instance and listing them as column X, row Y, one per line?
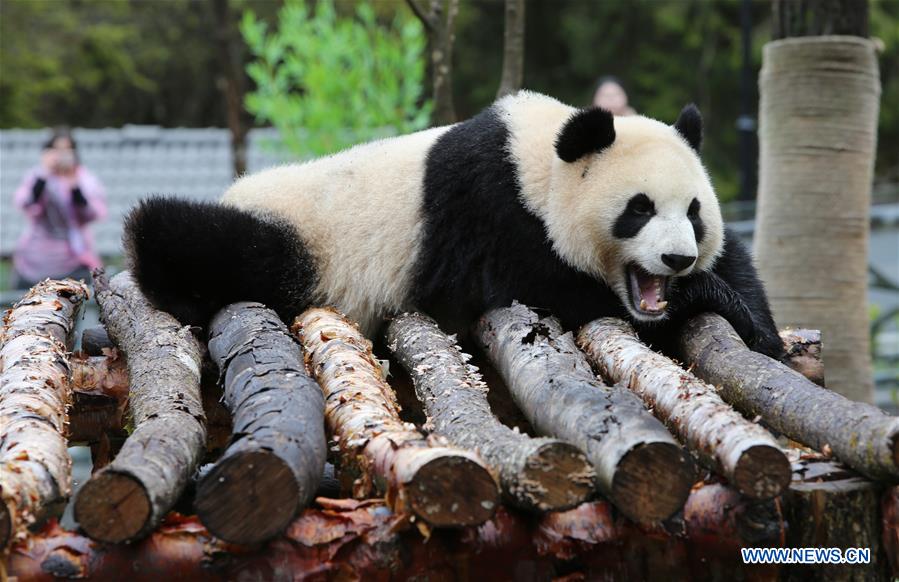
column 60, row 197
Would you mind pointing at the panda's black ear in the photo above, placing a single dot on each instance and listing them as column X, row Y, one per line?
column 587, row 131
column 689, row 125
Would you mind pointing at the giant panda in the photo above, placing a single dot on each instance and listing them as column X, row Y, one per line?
column 569, row 210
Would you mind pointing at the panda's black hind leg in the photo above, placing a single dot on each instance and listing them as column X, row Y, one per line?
column 193, row 258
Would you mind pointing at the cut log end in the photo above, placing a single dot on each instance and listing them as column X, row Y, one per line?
column 636, row 486
column 113, row 507
column 452, row 490
column 557, row 476
column 762, row 472
column 248, row 497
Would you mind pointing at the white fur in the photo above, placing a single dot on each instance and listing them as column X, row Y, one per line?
column 580, row 201
column 359, row 213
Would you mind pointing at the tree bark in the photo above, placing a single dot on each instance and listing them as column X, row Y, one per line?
column 128, row 498
column 513, row 48
column 639, row 466
column 828, row 506
column 745, row 453
column 803, row 353
column 441, row 30
column 818, row 128
column 35, row 392
column 274, row 462
column 228, row 52
column 535, row 473
column 858, row 434
column 819, row 18
column 443, row 486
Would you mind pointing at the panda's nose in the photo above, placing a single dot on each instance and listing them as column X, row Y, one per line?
column 678, row 262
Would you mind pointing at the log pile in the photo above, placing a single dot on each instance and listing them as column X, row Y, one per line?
column 740, row 450
column 423, row 501
column 552, row 383
column 441, row 485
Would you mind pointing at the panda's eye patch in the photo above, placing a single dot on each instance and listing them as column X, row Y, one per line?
column 693, row 210
column 641, row 205
column 638, row 212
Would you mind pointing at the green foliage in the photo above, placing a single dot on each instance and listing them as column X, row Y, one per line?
column 327, row 81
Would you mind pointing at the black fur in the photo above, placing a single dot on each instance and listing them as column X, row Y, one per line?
column 696, row 221
column 193, row 258
column 482, row 249
column 638, row 212
column 587, row 131
column 689, row 125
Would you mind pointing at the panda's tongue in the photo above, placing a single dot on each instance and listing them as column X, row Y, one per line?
column 651, row 291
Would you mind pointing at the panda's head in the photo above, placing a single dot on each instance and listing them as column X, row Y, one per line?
column 631, row 203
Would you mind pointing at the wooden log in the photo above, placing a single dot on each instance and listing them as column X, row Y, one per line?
column 100, row 396
column 639, row 465
column 274, row 462
column 35, row 391
column 741, row 450
column 443, row 486
column 94, row 340
column 860, row 435
column 802, row 349
column 535, row 473
column 348, row 539
column 130, row 496
column 830, row 506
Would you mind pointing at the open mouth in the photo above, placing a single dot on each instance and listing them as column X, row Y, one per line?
column 647, row 291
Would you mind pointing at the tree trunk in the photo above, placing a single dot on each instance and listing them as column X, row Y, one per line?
column 513, row 48
column 860, row 435
column 803, row 353
column 100, row 391
column 35, row 393
column 536, row 473
column 745, row 453
column 233, row 84
column 128, row 498
column 817, row 129
column 443, row 486
column 441, row 31
column 272, row 466
column 639, row 466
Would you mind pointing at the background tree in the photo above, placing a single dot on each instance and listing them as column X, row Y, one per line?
column 229, row 51
column 818, row 132
column 513, row 48
column 440, row 24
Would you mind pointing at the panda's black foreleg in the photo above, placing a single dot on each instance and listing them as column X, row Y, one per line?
column 733, row 290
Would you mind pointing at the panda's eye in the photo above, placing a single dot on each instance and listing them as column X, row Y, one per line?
column 641, row 205
column 693, row 210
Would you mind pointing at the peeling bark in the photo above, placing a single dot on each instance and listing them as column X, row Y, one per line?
column 35, row 391
column 639, row 465
column 128, row 498
column 443, row 486
column 803, row 353
column 744, row 452
column 274, row 462
column 535, row 473
column 858, row 434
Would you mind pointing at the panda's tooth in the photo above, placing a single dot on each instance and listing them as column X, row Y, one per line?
column 662, row 305
column 643, row 304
